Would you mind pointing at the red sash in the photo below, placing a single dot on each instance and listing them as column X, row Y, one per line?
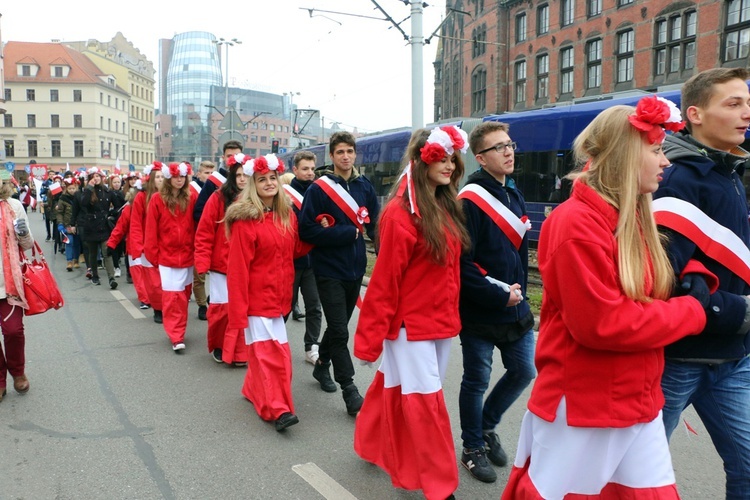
column 716, row 241
column 294, row 195
column 341, row 197
column 513, row 227
column 217, row 179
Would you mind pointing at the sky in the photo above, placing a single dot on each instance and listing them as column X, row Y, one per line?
column 356, row 71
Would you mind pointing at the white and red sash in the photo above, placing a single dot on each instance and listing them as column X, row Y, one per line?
column 513, row 227
column 294, row 195
column 714, row 240
column 341, row 197
column 195, row 187
column 217, row 179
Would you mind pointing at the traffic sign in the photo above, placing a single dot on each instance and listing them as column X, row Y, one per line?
column 10, row 166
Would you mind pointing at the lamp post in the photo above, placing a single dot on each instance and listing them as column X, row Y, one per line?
column 292, row 118
column 227, row 44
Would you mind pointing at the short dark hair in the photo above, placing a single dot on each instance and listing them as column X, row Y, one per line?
column 699, row 89
column 231, row 145
column 339, row 137
column 480, row 131
column 304, row 155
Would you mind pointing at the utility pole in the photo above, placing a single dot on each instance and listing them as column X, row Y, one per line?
column 417, row 70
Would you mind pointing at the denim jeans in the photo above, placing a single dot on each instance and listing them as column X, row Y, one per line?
column 518, row 359
column 720, row 394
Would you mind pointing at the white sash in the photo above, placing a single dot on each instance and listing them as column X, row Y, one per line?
column 294, row 195
column 344, row 201
column 513, row 227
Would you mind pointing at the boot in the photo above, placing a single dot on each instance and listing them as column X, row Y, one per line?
column 352, row 399
column 69, row 267
column 323, row 375
column 158, row 317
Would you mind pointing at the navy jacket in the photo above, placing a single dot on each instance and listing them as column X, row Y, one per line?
column 712, row 181
column 483, row 303
column 337, row 254
column 207, row 189
column 305, row 261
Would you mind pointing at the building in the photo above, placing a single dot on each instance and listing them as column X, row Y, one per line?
column 61, row 108
column 561, row 51
column 136, row 74
column 2, row 86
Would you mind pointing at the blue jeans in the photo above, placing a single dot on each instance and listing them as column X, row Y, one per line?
column 720, row 395
column 518, row 359
column 73, row 249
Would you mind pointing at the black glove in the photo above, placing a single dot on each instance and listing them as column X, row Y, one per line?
column 695, row 285
column 109, row 251
column 22, row 229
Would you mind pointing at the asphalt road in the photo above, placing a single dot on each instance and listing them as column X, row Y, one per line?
column 114, row 413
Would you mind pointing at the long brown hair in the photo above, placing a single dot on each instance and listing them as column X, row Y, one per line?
column 173, row 200
column 441, row 211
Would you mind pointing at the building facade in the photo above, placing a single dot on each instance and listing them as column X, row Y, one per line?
column 560, row 51
column 61, row 108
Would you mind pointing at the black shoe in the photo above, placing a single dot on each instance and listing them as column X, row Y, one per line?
column 286, row 420
column 216, row 354
column 476, row 463
column 322, row 375
column 352, row 399
column 495, row 451
column 95, row 280
column 112, row 284
column 202, row 313
column 158, row 317
column 129, row 279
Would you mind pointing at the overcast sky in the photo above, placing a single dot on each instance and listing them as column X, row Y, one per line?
column 355, row 71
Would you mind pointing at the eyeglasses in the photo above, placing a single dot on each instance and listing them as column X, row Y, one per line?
column 501, row 147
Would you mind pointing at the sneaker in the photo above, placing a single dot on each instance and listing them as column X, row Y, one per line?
column 240, row 364
column 323, row 376
column 216, row 354
column 158, row 317
column 352, row 399
column 495, row 451
column 144, row 306
column 178, row 346
column 95, row 280
column 89, row 274
column 286, row 420
column 49, row 238
column 476, row 463
column 117, row 272
column 202, row 313
column 112, row 283
column 312, row 355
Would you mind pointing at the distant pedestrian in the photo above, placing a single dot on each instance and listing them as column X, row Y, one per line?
column 205, row 169
column 96, row 203
column 66, row 222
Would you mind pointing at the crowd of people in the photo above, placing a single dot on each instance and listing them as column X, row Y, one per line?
column 646, row 306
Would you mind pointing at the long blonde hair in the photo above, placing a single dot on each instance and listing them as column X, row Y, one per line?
column 612, row 150
column 250, row 201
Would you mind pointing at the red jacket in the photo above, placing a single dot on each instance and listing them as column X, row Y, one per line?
column 121, row 230
column 211, row 244
column 601, row 350
column 170, row 239
column 408, row 288
column 137, row 232
column 260, row 271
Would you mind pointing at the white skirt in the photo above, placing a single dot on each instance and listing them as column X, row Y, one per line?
column 175, row 279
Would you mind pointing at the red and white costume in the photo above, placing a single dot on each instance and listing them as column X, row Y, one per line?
column 121, row 230
column 410, row 313
column 137, row 255
column 169, row 244
column 260, row 275
column 211, row 255
column 594, row 425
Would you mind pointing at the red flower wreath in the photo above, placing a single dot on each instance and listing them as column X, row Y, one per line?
column 432, row 152
column 652, row 116
column 456, row 139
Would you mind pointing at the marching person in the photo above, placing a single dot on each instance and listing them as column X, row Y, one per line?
column 65, row 217
column 170, row 245
column 211, row 256
column 96, row 202
column 118, row 202
column 263, row 242
column 216, row 178
column 403, row 426
column 593, row 426
column 205, row 169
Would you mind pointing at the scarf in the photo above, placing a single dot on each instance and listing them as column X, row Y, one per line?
column 11, row 263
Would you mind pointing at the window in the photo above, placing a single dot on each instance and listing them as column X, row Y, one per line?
column 253, row 138
column 10, row 148
column 31, row 121
column 78, row 148
column 8, row 119
column 520, row 73
column 521, row 28
column 54, row 95
column 30, row 95
column 55, row 146
column 117, row 125
column 8, row 95
column 33, row 151
column 255, row 125
column 479, row 41
column 263, row 138
column 625, row 55
column 57, row 72
column 542, row 76
column 542, row 19
column 674, row 50
column 78, row 121
column 479, row 90
column 109, row 123
column 76, row 96
column 594, row 64
column 622, row 3
column 109, row 101
column 54, row 121
column 566, row 70
column 737, row 37
column 101, row 97
column 568, row 8
column 25, row 70
column 593, row 8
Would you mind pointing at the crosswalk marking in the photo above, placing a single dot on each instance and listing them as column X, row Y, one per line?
column 129, row 307
column 322, row 482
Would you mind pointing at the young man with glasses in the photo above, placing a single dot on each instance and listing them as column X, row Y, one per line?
column 493, row 311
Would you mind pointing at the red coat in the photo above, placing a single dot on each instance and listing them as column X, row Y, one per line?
column 260, row 271
column 170, row 239
column 601, row 350
column 408, row 288
column 121, row 230
column 211, row 244
column 137, row 232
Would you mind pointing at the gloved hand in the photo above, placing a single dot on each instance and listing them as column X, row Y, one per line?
column 109, row 251
column 22, row 229
column 61, row 228
column 695, row 285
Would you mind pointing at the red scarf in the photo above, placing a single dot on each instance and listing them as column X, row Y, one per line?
column 11, row 263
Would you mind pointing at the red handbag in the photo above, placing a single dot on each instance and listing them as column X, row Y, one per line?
column 39, row 286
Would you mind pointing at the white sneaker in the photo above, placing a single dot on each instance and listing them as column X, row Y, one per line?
column 312, row 355
column 178, row 346
column 117, row 272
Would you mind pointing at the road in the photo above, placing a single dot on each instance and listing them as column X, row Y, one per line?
column 114, row 413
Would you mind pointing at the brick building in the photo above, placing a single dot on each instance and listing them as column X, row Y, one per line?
column 510, row 55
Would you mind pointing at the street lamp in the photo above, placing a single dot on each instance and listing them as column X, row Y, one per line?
column 227, row 43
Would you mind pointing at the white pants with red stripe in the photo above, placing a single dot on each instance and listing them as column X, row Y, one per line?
column 176, row 283
column 403, row 426
column 556, row 461
column 230, row 341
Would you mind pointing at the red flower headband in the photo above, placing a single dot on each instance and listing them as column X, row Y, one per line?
column 266, row 163
column 653, row 115
column 177, row 170
column 237, row 159
column 443, row 142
